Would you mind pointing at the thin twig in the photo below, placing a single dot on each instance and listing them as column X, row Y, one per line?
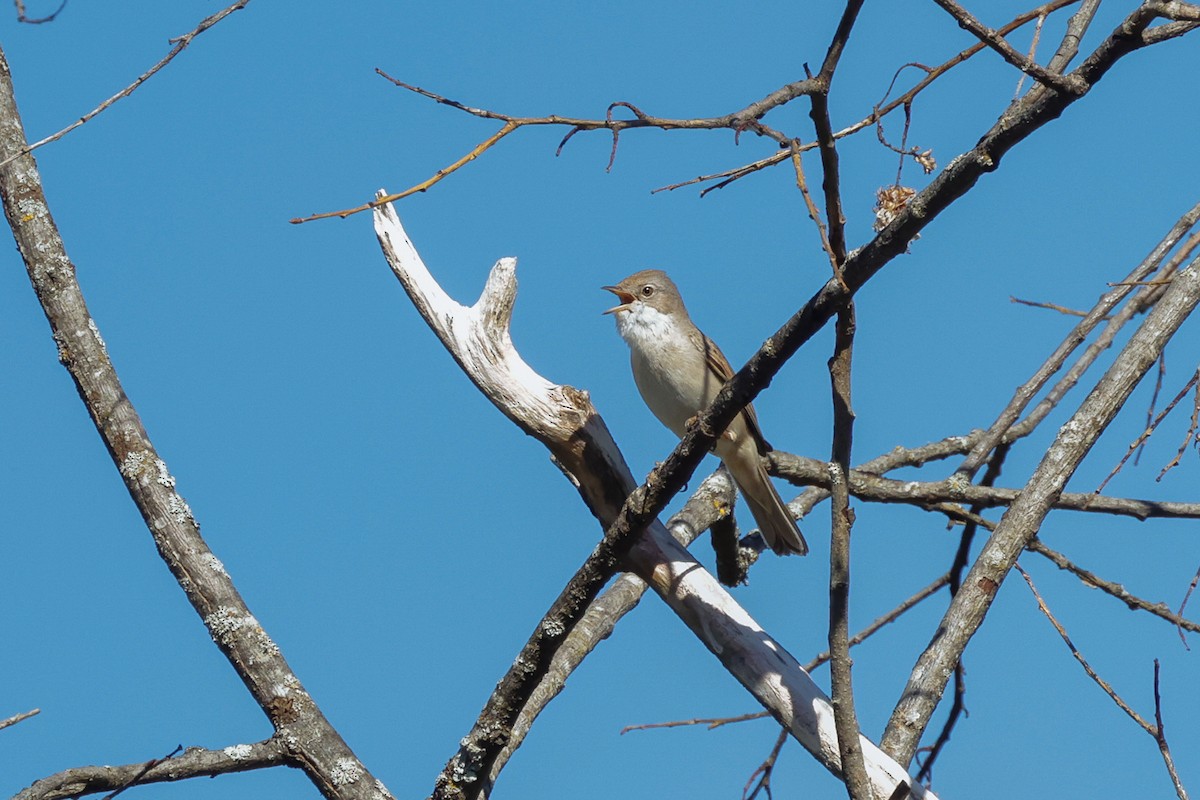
column 931, row 74
column 1091, row 673
column 1183, row 605
column 1139, row 303
column 143, row 772
column 21, row 16
column 886, row 619
column 1189, row 436
column 1037, row 35
column 904, row 606
column 764, row 771
column 180, row 43
column 711, row 723
column 15, row 718
column 1060, row 83
column 1158, row 384
column 478, row 150
column 1150, row 430
column 813, row 213
column 1005, row 425
column 1160, row 737
column 734, row 173
column 738, row 121
column 1115, row 589
column 1052, row 306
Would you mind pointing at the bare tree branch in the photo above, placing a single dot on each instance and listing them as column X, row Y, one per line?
column 180, row 43
column 1109, row 587
column 1160, row 738
column 830, row 179
column 958, row 567
column 15, row 718
column 23, row 17
column 1150, row 428
column 1024, row 517
column 250, row 651
column 193, row 762
column 867, row 486
column 1004, row 427
column 1059, row 83
column 1087, row 668
column 747, row 118
column 1077, row 26
column 1156, row 729
column 841, row 525
column 564, row 421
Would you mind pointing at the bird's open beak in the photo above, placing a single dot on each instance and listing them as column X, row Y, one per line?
column 625, row 297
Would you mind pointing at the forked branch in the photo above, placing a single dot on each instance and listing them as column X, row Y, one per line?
column 564, row 420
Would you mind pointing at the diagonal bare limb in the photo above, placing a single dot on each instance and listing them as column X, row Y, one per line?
column 15, row 718
column 1115, row 589
column 1087, row 668
column 179, row 43
column 1059, row 83
column 209, row 589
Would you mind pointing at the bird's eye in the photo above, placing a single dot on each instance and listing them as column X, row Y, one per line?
column 647, row 290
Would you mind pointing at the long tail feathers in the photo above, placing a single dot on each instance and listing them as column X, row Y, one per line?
column 777, row 524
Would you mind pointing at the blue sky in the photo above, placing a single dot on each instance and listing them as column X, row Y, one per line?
column 396, row 535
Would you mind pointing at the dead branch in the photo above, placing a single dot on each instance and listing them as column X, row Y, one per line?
column 1158, row 385
column 958, row 567
column 712, row 723
column 761, row 777
column 563, row 419
column 813, row 213
column 841, row 526
column 1183, row 604
column 15, row 718
column 711, row 499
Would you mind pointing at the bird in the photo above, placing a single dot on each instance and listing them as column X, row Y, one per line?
column 679, row 371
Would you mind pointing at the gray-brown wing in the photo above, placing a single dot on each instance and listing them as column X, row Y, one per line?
column 718, row 364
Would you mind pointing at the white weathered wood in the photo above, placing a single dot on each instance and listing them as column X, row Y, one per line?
column 562, row 417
